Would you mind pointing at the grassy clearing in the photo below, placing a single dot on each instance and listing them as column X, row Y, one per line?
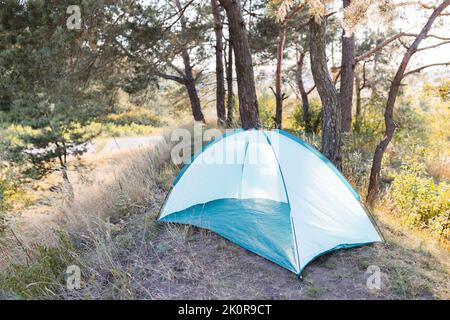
column 110, row 231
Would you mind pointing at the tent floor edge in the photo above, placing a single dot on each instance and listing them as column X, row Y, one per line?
column 336, row 248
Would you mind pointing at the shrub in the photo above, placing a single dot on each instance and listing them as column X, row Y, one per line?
column 12, row 194
column 266, row 104
column 297, row 120
column 419, row 200
column 113, row 130
column 138, row 116
column 44, row 276
column 5, row 204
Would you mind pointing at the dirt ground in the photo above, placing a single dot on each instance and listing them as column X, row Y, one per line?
column 183, row 262
column 207, row 266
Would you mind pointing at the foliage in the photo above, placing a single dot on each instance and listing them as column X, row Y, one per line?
column 44, row 276
column 266, row 104
column 297, row 120
column 33, row 151
column 135, row 116
column 419, row 200
column 126, row 130
column 156, row 38
column 8, row 189
column 53, row 83
column 442, row 90
column 5, row 204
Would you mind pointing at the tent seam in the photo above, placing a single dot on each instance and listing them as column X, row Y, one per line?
column 242, row 169
column 287, row 197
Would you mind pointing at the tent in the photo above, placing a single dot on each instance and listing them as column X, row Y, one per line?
column 273, row 194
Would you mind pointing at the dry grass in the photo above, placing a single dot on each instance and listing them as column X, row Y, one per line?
column 124, row 253
column 439, row 167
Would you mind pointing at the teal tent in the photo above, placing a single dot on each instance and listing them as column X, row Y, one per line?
column 273, row 194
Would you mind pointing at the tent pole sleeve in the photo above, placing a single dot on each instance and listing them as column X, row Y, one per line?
column 370, row 216
column 242, row 170
column 287, row 197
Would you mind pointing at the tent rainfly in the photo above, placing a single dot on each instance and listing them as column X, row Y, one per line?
column 273, row 194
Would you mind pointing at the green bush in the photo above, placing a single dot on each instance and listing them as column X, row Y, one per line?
column 297, row 120
column 44, row 276
column 419, row 200
column 138, row 116
column 12, row 194
column 4, row 202
column 266, row 104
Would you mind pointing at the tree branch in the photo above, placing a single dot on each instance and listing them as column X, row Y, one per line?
column 178, row 70
column 424, row 67
column 294, row 11
column 364, row 78
column 420, row 4
column 434, row 46
column 170, row 77
column 180, row 14
column 431, row 7
column 378, row 47
column 428, row 36
column 310, row 90
column 404, row 45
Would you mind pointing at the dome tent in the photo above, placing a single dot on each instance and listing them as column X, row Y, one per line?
column 271, row 193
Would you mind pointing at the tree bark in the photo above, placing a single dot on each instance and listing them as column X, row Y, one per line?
column 189, row 80
column 303, row 94
column 279, row 96
column 229, row 74
column 220, row 83
column 62, row 157
column 347, row 76
column 317, row 122
column 248, row 103
column 358, row 88
column 374, row 180
column 194, row 99
column 331, row 122
column 358, row 104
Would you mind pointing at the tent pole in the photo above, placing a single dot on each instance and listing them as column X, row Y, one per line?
column 370, row 215
column 164, row 202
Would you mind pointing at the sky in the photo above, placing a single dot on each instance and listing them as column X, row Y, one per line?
column 412, row 20
column 409, row 19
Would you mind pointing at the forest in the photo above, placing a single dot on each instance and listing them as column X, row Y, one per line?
column 91, row 93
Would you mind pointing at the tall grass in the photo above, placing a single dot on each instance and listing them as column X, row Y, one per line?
column 134, row 183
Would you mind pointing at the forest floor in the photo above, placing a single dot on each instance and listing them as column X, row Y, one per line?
column 134, row 256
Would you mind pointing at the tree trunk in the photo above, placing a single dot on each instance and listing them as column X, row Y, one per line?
column 62, row 157
column 358, row 104
column 331, row 123
column 374, row 182
column 359, row 87
column 230, row 94
column 317, row 122
column 194, row 99
column 303, row 94
column 248, row 103
column 279, row 96
column 220, row 85
column 347, row 76
column 189, row 80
